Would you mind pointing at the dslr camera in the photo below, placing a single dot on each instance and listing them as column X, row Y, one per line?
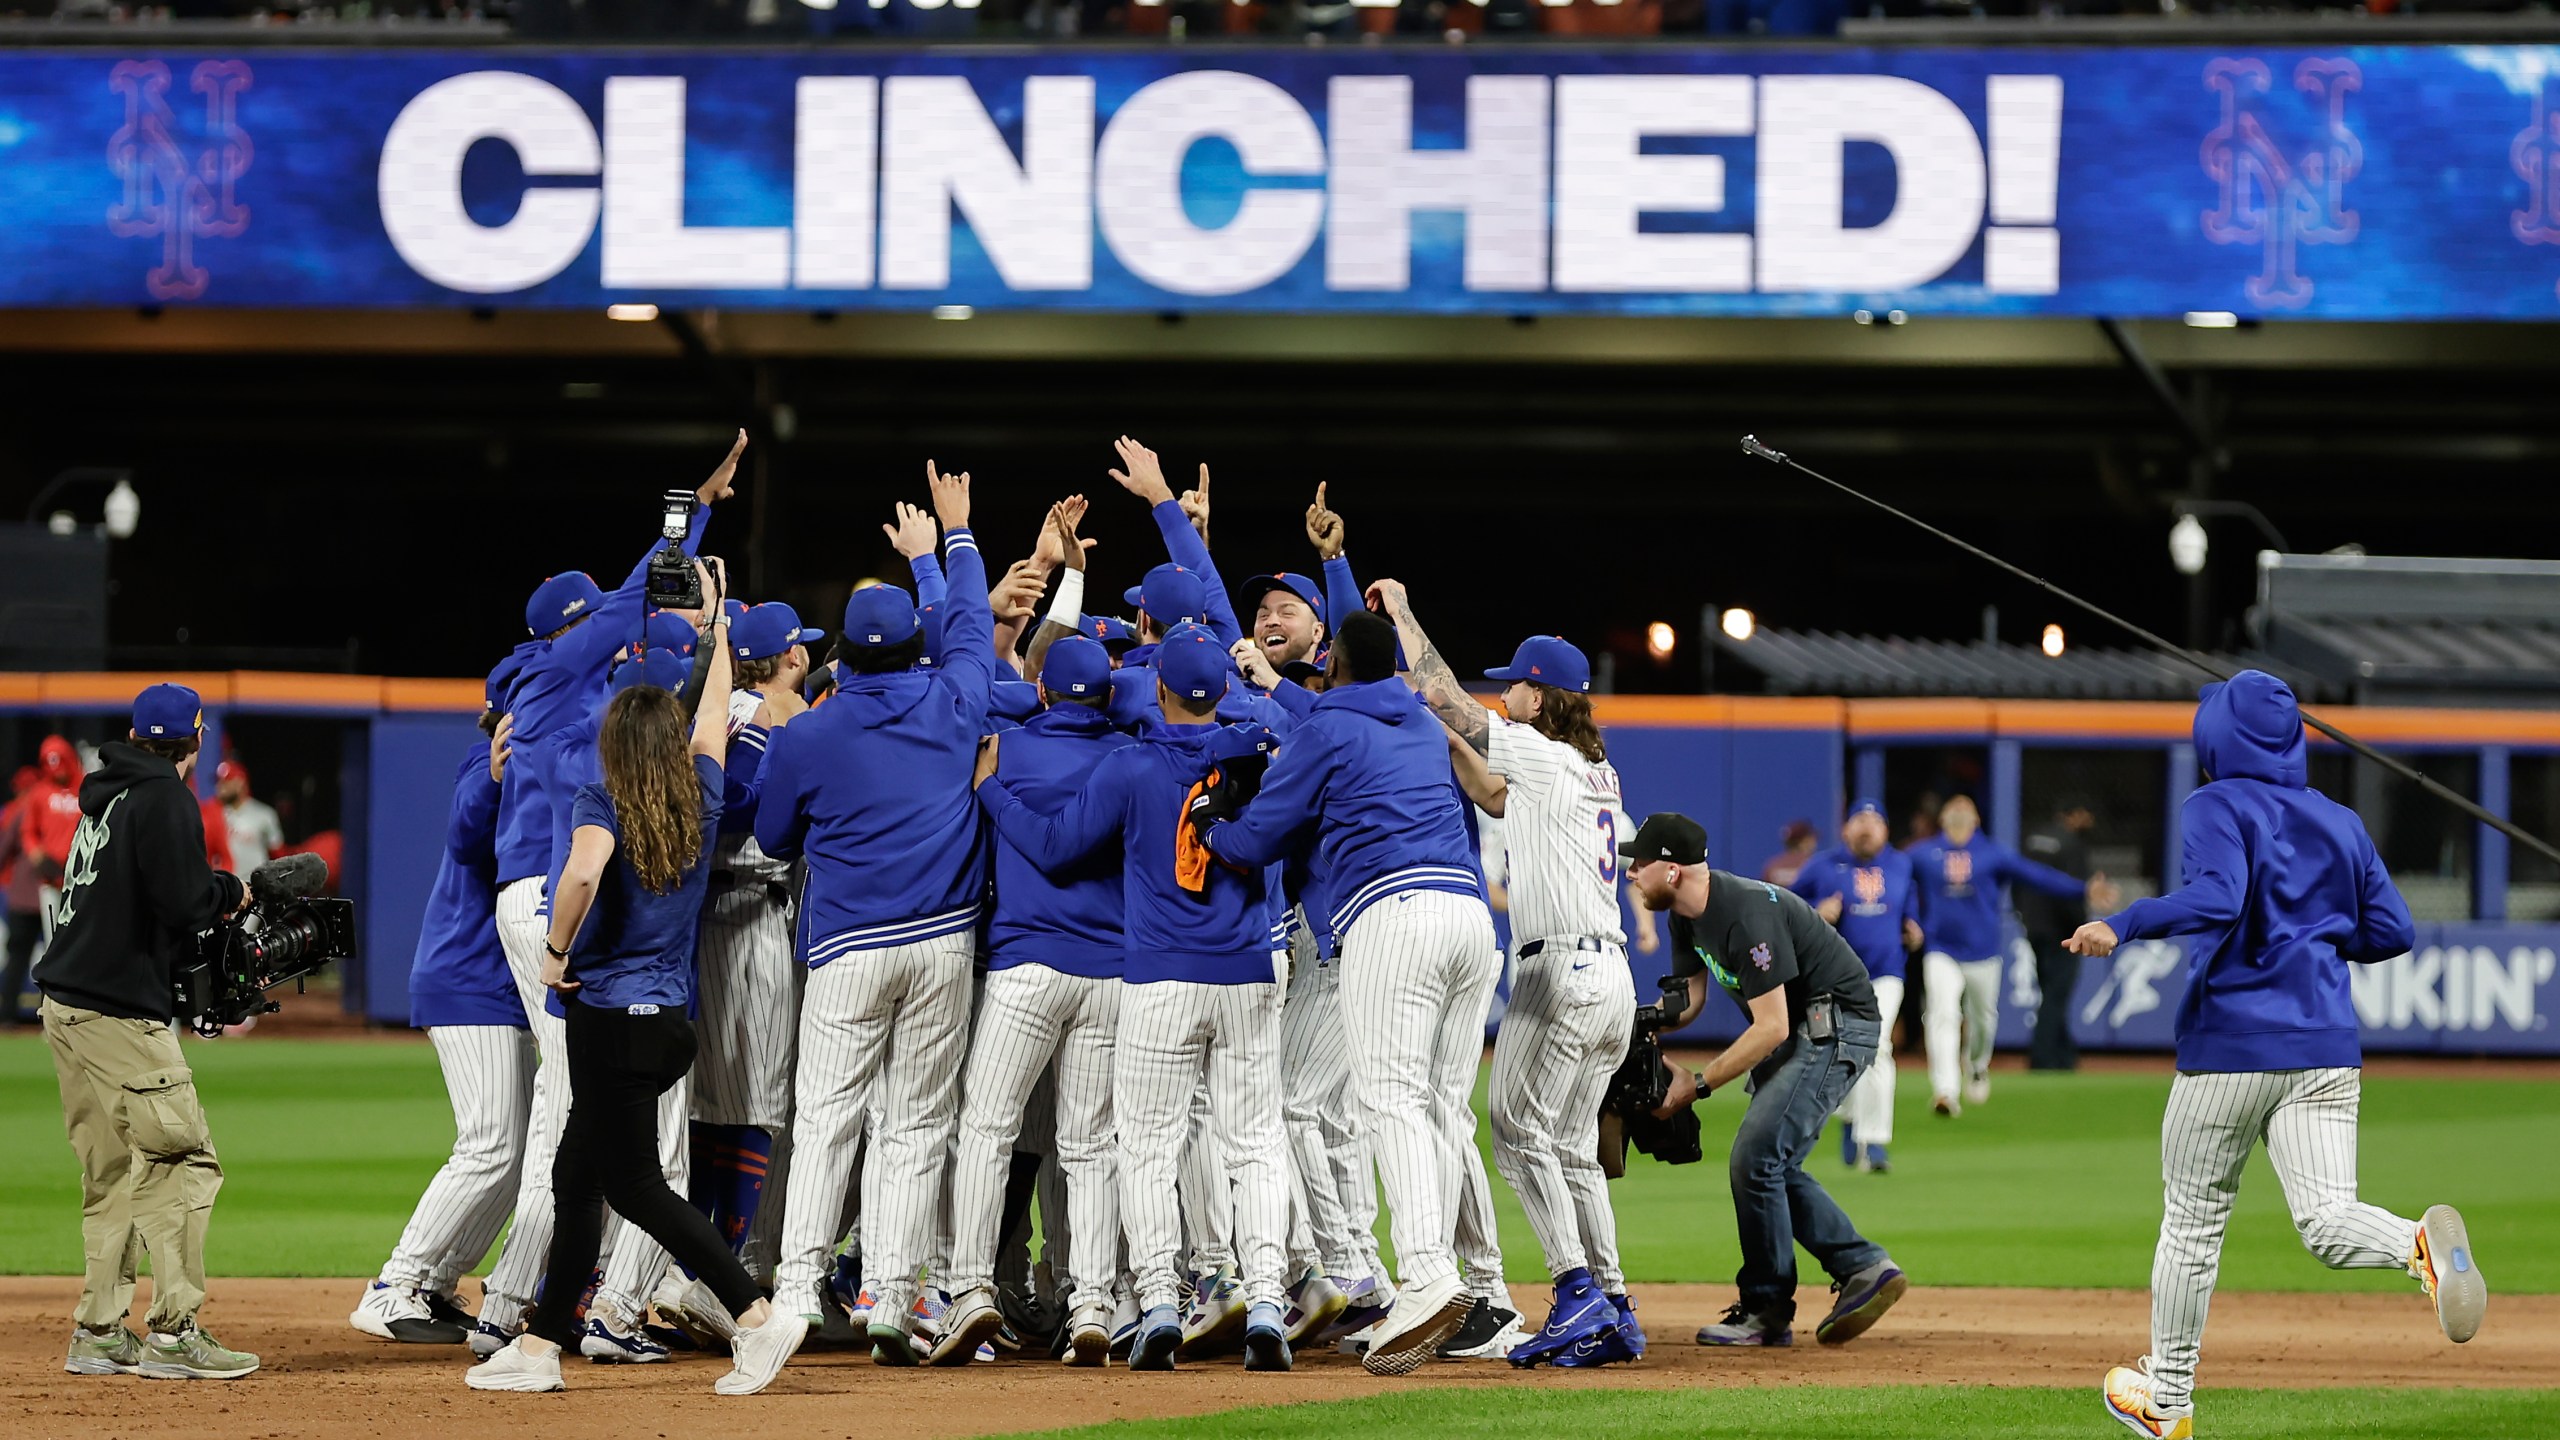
column 288, row 931
column 1641, row 1084
column 672, row 583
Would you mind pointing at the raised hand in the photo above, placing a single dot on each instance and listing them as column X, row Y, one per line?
column 1387, row 597
column 1195, row 504
column 913, row 533
column 1145, row 477
column 501, row 746
column 1064, row 518
column 1017, row 595
column 1324, row 528
column 950, row 496
column 720, row 486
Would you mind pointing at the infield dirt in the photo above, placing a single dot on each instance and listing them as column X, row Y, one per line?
column 323, row 1380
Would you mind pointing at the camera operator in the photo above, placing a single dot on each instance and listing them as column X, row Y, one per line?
column 136, row 890
column 1814, row 1030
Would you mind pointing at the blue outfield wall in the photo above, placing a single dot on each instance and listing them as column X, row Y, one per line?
column 412, row 763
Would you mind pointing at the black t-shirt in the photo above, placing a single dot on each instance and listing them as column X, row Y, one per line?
column 1755, row 937
column 2049, row 918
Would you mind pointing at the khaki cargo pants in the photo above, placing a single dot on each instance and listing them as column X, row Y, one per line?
column 147, row 1170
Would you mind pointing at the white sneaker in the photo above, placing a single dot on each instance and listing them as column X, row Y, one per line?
column 1314, row 1303
column 761, row 1352
column 513, row 1369
column 2443, row 1263
column 965, row 1326
column 1424, row 1315
column 1089, row 1338
column 398, row 1312
column 1977, row 1088
column 2127, row 1391
column 695, row 1310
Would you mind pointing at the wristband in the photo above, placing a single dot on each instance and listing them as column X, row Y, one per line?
column 1068, row 609
column 551, row 949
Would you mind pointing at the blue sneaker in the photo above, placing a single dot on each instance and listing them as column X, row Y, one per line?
column 1848, row 1145
column 1627, row 1342
column 1581, row 1313
column 1266, row 1347
column 1159, row 1335
column 1876, row 1163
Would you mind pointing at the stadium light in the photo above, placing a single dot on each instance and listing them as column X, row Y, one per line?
column 1738, row 623
column 2053, row 641
column 1659, row 639
column 953, row 312
column 124, row 511
column 2213, row 320
column 631, row 312
column 2187, row 545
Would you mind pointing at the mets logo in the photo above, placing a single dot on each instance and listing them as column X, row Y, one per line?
column 2272, row 197
column 1760, row 955
column 1959, row 871
column 1868, row 884
column 170, row 194
column 2535, row 154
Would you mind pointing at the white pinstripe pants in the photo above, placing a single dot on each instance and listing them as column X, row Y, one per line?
column 1869, row 1108
column 879, row 1029
column 1963, row 994
column 1029, row 1018
column 1477, row 1243
column 2308, row 1120
column 1200, row 1184
column 1572, row 1014
column 1328, row 1158
column 488, row 1075
column 750, row 993
column 1409, row 963
column 520, row 1266
column 1172, row 1034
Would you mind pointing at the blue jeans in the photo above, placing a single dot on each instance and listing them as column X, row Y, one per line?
column 1776, row 1206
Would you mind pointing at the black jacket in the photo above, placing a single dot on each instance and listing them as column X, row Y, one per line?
column 2048, row 919
column 136, row 890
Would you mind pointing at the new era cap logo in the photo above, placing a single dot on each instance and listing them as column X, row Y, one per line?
column 574, row 606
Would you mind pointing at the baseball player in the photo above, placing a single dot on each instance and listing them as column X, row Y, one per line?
column 1959, row 873
column 872, row 788
column 1545, row 772
column 561, row 675
column 2283, row 884
column 461, row 994
column 1367, row 773
column 1052, row 1002
column 1863, row 887
column 1201, row 999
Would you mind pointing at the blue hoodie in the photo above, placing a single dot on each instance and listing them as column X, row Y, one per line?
column 560, row 681
column 872, row 788
column 1372, row 764
column 459, row 974
column 1960, row 899
column 1220, row 936
column 2283, row 883
column 1073, row 923
column 1876, row 896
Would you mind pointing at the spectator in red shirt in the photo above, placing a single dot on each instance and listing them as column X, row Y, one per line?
column 18, row 880
column 51, row 812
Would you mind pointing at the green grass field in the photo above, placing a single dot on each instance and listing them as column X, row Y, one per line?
column 326, row 1143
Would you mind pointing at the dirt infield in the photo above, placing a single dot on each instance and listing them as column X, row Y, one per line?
column 324, row 1380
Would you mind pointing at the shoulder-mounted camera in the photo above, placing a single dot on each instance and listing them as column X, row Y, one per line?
column 288, row 932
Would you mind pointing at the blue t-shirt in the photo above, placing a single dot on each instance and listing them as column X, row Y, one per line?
column 636, row 947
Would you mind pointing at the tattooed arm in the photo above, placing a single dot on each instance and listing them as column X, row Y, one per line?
column 1430, row 675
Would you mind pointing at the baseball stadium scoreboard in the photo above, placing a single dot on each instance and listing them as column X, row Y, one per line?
column 2407, row 182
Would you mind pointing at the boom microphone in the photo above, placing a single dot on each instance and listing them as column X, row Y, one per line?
column 1752, row 445
column 287, row 878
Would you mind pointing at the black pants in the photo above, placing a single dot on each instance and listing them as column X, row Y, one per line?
column 619, row 1064
column 2057, row 975
column 24, row 928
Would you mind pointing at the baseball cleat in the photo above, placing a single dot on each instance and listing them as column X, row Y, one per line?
column 1877, row 1164
column 513, row 1369
column 1424, row 1315
column 447, row 1308
column 1265, row 1347
column 113, row 1350
column 760, row 1353
column 1977, row 1088
column 892, row 1343
column 1946, row 1107
column 2444, row 1264
column 1740, row 1327
column 397, row 1312
column 1125, row 1319
column 1216, row 1319
column 1580, row 1312
column 605, row 1344
column 1630, row 1334
column 2130, row 1400
column 1862, row 1300
column 1315, row 1302
column 1088, row 1338
column 1159, row 1336
column 1489, row 1334
column 969, row 1323
column 1365, row 1303
column 488, row 1337
column 696, row 1311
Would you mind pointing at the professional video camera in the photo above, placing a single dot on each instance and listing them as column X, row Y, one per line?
column 673, row 585
column 1641, row 1084
column 288, row 931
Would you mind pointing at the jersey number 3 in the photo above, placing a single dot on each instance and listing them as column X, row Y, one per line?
column 1608, row 846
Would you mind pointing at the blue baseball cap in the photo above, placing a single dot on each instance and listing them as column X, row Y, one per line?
column 1865, row 805
column 1235, row 741
column 1171, row 594
column 501, row 682
column 1109, row 629
column 664, row 669
column 560, row 600
column 1546, row 660
column 1251, row 592
column 1076, row 666
column 669, row 632
column 1014, row 700
column 734, row 608
column 812, row 631
column 165, row 712
column 767, row 631
column 880, row 615
column 1191, row 663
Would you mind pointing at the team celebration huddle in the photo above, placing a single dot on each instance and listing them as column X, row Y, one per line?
column 778, row 981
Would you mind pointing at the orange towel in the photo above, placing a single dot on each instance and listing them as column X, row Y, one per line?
column 1190, row 857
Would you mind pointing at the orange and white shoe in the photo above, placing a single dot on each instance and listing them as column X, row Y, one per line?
column 2129, row 1399
column 2443, row 1263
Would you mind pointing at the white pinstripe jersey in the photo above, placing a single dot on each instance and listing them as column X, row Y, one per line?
column 1561, row 824
column 739, row 853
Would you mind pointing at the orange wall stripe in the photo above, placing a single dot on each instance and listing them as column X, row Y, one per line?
column 118, row 689
column 469, row 696
column 1882, row 719
column 269, row 687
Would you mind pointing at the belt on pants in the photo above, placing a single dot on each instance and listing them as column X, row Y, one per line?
column 775, row 891
column 1565, row 942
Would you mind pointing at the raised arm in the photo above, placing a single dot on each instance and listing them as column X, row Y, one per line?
column 1066, row 612
column 2037, row 875
column 968, row 657
column 1490, row 792
column 1325, row 532
column 1431, row 676
column 1182, row 544
column 711, row 712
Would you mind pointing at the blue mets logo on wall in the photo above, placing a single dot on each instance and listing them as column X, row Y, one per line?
column 171, row 194
column 2273, row 196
